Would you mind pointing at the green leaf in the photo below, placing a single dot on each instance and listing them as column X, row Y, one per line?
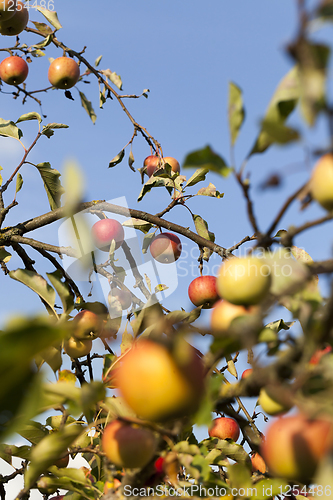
column 117, row 159
column 279, row 133
column 51, row 16
column 4, row 255
column 156, row 182
column 146, row 241
column 201, row 226
column 239, row 476
column 281, row 105
column 47, row 40
column 19, row 183
column 236, row 111
column 73, row 186
column 52, row 184
column 207, row 159
column 65, row 293
column 139, row 224
column 160, row 288
column 29, row 116
column 98, row 60
column 113, row 77
column 9, row 129
column 313, row 61
column 42, row 27
column 48, row 450
column 33, row 432
column 210, row 190
column 198, row 176
column 131, row 160
column 86, row 104
column 269, row 488
column 48, row 129
column 37, row 283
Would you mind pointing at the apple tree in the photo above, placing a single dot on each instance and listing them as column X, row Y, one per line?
column 119, row 382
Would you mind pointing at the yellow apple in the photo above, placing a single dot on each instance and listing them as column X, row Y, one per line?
column 321, row 182
column 223, row 313
column 158, row 384
column 271, row 405
column 243, row 281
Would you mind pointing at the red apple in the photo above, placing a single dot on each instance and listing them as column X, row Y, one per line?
column 151, row 163
column 224, row 428
column 258, row 463
column 166, row 248
column 174, row 164
column 13, row 70
column 202, row 291
column 294, row 446
column 128, row 446
column 7, row 9
column 319, row 354
column 247, row 373
column 76, row 348
column 86, row 323
column 63, row 73
column 106, row 230
column 16, row 24
column 124, row 297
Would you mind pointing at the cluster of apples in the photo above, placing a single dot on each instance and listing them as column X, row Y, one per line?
column 63, row 72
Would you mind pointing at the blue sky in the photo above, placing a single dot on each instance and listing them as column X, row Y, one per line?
column 185, row 53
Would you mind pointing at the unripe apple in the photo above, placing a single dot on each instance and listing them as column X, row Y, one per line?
column 127, row 445
column 152, row 163
column 86, row 323
column 202, row 291
column 106, row 230
column 294, row 446
column 16, row 24
column 124, row 297
column 13, row 70
column 223, row 313
column 244, row 281
column 319, row 354
column 7, row 9
column 166, row 248
column 63, row 73
column 247, row 373
column 321, row 182
column 76, row 348
column 46, row 486
column 159, row 384
column 174, row 164
column 258, row 463
column 224, row 428
column 270, row 404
